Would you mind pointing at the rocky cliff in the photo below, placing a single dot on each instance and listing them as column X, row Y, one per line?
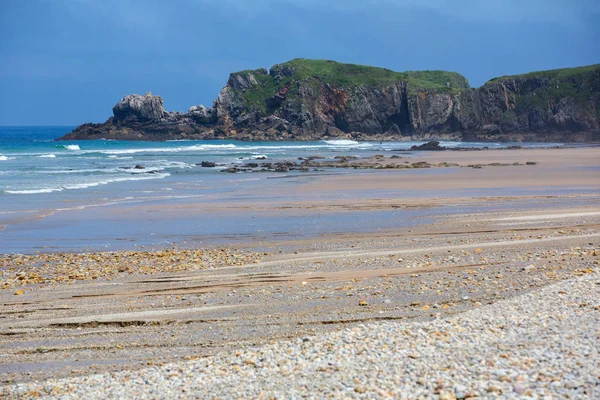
column 316, row 99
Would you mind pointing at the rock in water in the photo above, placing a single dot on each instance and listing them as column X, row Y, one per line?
column 433, row 145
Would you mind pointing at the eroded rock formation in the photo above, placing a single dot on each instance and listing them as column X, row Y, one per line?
column 316, row 99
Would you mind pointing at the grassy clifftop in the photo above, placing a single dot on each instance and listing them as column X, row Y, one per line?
column 560, row 74
column 581, row 84
column 344, row 76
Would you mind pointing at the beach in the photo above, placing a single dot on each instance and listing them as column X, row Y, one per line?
column 196, row 206
column 473, row 275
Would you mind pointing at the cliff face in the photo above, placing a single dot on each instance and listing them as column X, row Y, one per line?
column 551, row 105
column 313, row 99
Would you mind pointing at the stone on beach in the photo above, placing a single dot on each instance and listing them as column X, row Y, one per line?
column 380, row 360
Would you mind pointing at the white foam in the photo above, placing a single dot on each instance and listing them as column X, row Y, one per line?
column 177, row 164
column 18, row 212
column 450, row 144
column 33, row 191
column 306, row 146
column 79, row 171
column 71, row 147
column 47, row 156
column 228, row 147
column 86, row 185
column 113, row 180
column 180, row 149
column 4, row 158
column 341, row 142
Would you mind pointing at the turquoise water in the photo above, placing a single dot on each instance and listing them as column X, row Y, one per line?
column 32, row 163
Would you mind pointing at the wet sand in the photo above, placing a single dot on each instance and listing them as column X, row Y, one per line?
column 146, row 310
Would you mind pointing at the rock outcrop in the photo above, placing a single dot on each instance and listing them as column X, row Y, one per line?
column 135, row 108
column 316, row 99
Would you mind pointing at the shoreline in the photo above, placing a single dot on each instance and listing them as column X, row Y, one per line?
column 219, row 208
column 562, row 138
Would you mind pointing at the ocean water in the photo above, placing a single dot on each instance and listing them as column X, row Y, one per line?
column 82, row 195
column 32, row 163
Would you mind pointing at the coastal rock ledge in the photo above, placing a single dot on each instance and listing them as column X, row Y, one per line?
column 318, row 99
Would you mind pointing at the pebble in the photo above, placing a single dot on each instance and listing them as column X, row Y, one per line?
column 537, row 344
column 530, row 267
column 53, row 268
column 460, row 391
column 519, row 388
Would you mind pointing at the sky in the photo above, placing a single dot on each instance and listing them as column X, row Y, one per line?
column 67, row 62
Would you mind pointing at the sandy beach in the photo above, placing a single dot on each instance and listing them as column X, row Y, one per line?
column 466, row 281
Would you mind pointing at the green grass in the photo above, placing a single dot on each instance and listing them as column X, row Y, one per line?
column 346, row 76
column 438, row 80
column 257, row 96
column 580, row 84
column 560, row 74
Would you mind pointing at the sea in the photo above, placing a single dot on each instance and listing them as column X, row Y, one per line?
column 88, row 195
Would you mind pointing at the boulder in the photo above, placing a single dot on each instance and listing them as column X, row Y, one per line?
column 137, row 108
column 429, row 146
column 202, row 115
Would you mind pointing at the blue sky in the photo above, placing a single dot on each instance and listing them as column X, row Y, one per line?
column 68, row 62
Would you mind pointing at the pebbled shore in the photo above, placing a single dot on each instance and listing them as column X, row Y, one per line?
column 21, row 270
column 496, row 297
column 540, row 344
column 505, row 309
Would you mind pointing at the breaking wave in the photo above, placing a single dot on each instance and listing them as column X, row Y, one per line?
column 85, row 185
column 341, row 142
